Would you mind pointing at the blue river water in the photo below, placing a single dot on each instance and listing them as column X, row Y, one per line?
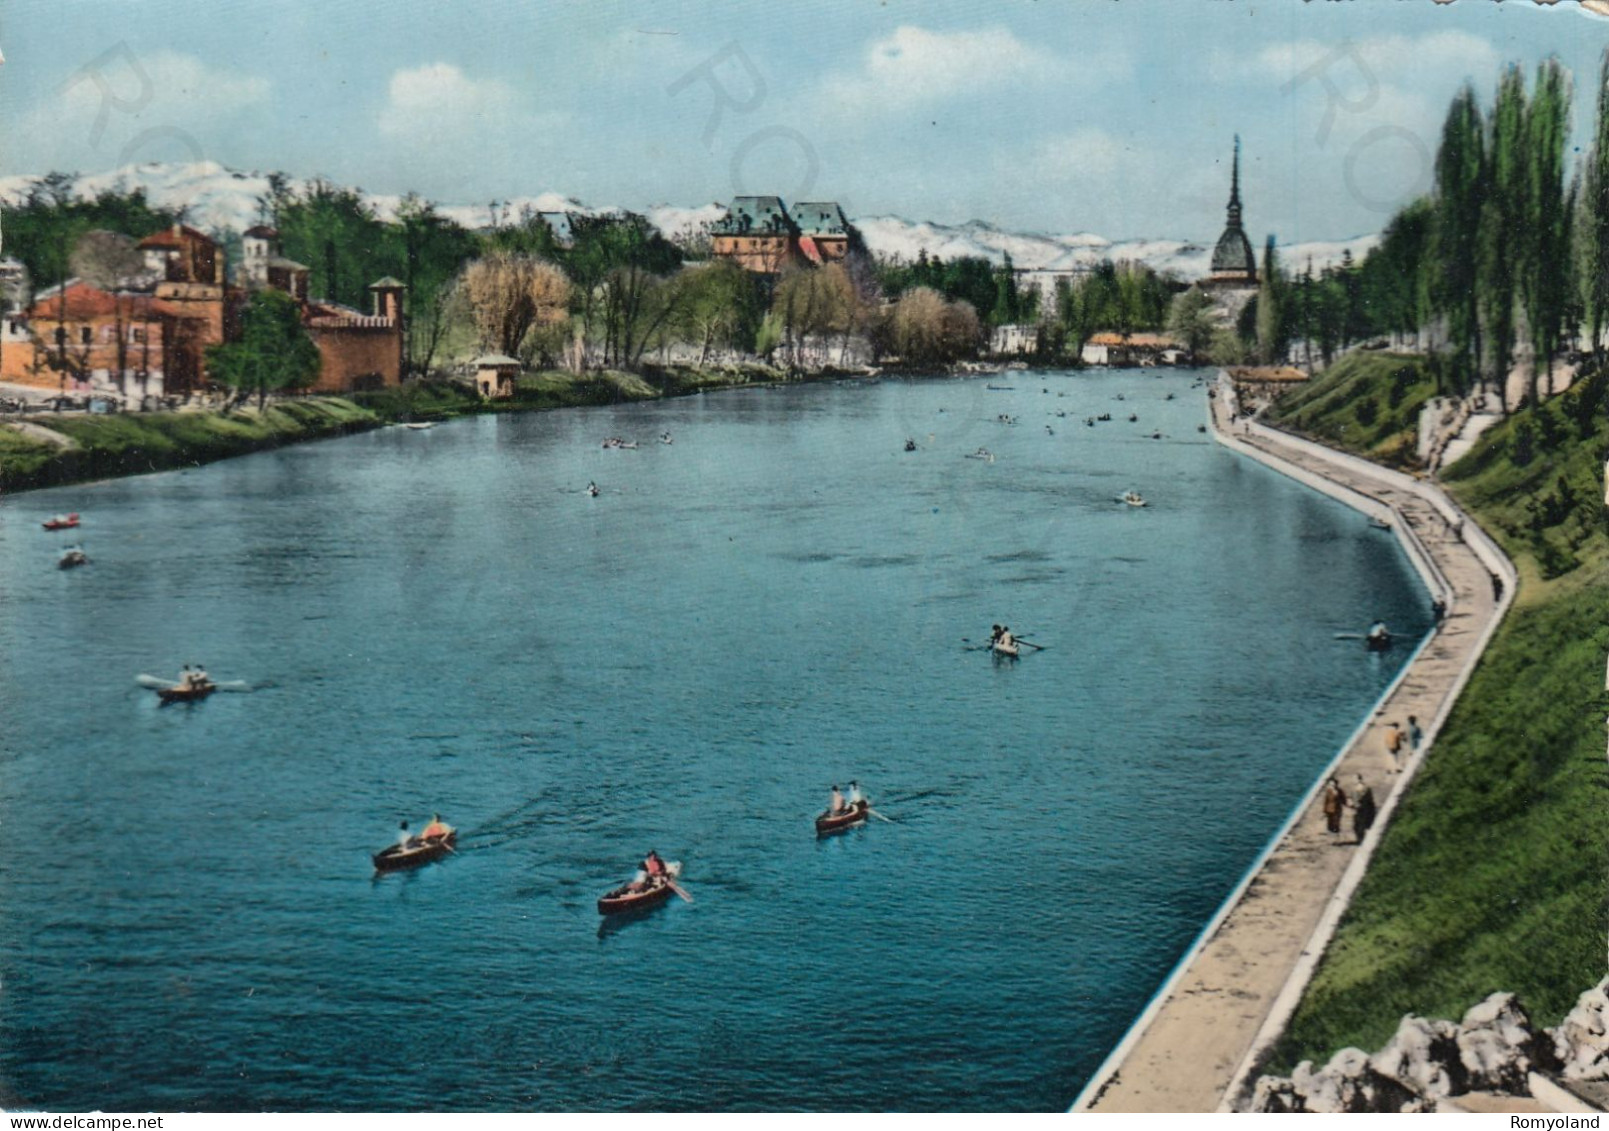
column 780, row 599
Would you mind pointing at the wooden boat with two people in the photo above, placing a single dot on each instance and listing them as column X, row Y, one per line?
column 852, row 815
column 654, row 883
column 436, row 841
column 192, row 685
column 842, row 815
column 73, row 556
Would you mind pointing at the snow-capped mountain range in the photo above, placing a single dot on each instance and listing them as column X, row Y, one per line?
column 218, row 199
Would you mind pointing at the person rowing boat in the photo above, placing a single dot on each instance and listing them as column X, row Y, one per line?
column 437, row 829
column 835, row 803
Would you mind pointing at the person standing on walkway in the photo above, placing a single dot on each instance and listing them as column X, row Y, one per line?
column 1334, row 805
column 1363, row 810
column 1394, row 740
column 1416, row 734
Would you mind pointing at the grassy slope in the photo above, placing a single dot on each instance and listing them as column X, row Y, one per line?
column 1493, row 874
column 1327, row 408
column 135, row 443
column 130, row 444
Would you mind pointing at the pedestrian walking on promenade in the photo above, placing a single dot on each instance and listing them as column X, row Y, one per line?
column 1416, row 734
column 1363, row 810
column 1394, row 740
column 1334, row 805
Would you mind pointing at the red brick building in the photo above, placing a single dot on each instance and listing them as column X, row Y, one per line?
column 152, row 341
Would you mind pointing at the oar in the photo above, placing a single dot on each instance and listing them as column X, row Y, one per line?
column 880, row 817
column 1030, row 644
column 1349, row 636
column 677, row 888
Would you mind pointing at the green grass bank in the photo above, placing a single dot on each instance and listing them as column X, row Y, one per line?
column 1494, row 873
column 104, row 447
column 1367, row 403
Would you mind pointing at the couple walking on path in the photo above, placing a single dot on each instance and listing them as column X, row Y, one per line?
column 1336, row 803
column 1397, row 738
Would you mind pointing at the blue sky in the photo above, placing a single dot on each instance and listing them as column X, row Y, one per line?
column 1094, row 115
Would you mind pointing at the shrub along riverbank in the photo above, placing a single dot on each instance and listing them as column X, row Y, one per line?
column 1494, row 874
column 104, row 447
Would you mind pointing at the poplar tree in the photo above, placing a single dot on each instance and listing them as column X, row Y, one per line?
column 1271, row 336
column 1461, row 176
column 1504, row 239
column 1594, row 229
column 1544, row 256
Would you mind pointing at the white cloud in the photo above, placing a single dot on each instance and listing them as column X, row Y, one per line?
column 1358, row 64
column 1087, row 155
column 438, row 103
column 913, row 67
column 124, row 107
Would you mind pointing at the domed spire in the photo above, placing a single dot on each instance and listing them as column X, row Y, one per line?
column 1232, row 259
column 1234, row 187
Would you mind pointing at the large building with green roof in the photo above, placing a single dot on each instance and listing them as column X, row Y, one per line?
column 762, row 234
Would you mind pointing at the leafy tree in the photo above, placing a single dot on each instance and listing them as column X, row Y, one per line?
column 1503, row 239
column 272, row 351
column 335, row 232
column 815, row 303
column 1459, row 249
column 722, row 307
column 1544, row 274
column 618, row 263
column 110, row 261
column 1392, row 279
column 43, row 231
column 1594, row 231
column 433, row 250
column 1191, row 321
column 1272, row 334
column 928, row 330
column 508, row 293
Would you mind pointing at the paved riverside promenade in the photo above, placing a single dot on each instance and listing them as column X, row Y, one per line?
column 1195, row 1047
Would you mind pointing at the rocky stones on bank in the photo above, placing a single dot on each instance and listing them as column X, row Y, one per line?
column 1494, row 1048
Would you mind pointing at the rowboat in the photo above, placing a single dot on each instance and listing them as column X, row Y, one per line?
column 72, row 558
column 189, row 693
column 415, row 854
column 1377, row 641
column 856, row 814
column 1132, row 498
column 62, row 522
column 420, row 425
column 1011, row 651
column 655, row 890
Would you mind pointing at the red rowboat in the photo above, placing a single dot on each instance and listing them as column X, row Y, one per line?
column 417, row 853
column 62, row 522
column 856, row 814
column 655, row 890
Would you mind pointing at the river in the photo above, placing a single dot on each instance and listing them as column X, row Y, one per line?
column 779, row 600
